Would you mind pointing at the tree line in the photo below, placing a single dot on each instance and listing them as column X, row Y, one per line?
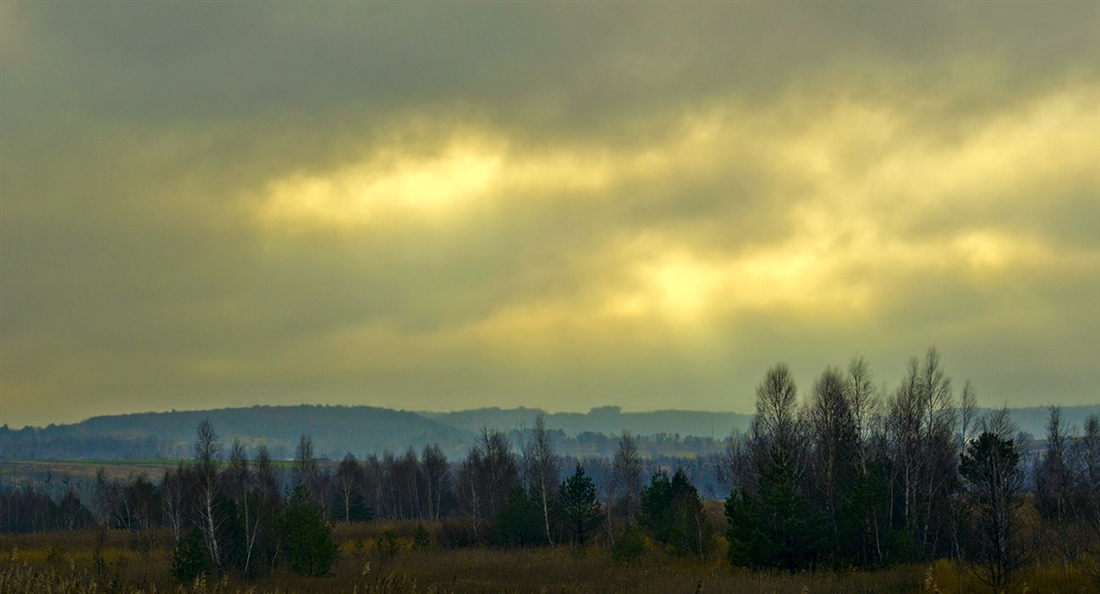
column 849, row 477
column 57, row 443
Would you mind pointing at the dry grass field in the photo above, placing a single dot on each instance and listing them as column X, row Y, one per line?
column 123, row 563
column 35, row 471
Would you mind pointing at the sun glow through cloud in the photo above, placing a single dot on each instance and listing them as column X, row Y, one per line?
column 857, row 177
column 359, row 195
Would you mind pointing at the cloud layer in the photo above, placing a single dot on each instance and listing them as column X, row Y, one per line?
column 436, row 206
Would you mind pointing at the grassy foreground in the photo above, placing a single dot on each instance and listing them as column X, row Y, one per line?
column 123, row 563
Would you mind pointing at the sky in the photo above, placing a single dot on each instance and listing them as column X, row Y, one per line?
column 441, row 206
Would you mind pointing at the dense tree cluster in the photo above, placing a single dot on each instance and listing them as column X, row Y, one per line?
column 853, row 478
column 849, row 477
column 673, row 512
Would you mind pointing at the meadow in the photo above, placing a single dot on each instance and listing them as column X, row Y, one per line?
column 128, row 562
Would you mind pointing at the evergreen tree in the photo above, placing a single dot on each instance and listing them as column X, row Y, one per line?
column 520, row 520
column 690, row 531
column 580, row 509
column 358, row 510
column 307, row 538
column 673, row 511
column 743, row 531
column 190, row 560
column 776, row 527
column 991, row 468
column 656, row 500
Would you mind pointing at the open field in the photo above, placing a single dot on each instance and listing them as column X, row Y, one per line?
column 35, row 471
column 125, row 563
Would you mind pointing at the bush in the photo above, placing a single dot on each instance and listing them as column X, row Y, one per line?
column 388, row 545
column 421, row 538
column 457, row 533
column 629, row 546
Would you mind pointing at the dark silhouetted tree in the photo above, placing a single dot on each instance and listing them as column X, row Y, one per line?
column 306, row 537
column 349, row 483
column 627, row 477
column 540, row 468
column 209, row 514
column 991, row 468
column 437, row 480
column 519, row 522
column 580, row 508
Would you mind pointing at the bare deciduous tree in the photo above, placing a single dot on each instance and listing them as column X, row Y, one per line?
column 1086, row 452
column 172, row 500
column 775, row 424
column 487, row 476
column 923, row 450
column 835, row 442
column 210, row 518
column 247, row 495
column 437, row 478
column 267, row 478
column 349, row 479
column 1054, row 490
column 627, row 475
column 541, row 469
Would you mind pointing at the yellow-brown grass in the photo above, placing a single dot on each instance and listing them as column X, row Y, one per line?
column 69, row 563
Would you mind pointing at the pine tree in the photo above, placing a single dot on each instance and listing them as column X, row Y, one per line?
column 189, row 560
column 777, row 527
column 991, row 468
column 580, row 509
column 656, row 499
column 307, row 538
column 520, row 520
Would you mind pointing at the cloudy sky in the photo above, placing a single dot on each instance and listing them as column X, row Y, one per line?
column 436, row 206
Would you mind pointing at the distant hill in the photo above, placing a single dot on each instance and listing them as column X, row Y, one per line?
column 606, row 419
column 335, row 430
column 1033, row 420
column 363, row 430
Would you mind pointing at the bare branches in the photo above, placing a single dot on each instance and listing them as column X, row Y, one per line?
column 627, row 475
column 541, row 467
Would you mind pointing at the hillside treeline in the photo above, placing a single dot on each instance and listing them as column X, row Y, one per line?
column 846, row 477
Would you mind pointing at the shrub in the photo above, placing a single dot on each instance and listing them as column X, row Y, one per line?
column 457, row 533
column 388, row 545
column 421, row 538
column 629, row 546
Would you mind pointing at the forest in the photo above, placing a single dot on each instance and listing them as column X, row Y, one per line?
column 846, row 489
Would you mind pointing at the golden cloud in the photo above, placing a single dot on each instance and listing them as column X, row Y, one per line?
column 853, row 176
